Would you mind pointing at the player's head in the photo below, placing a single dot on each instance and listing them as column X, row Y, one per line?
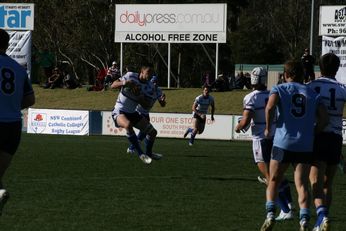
column 4, row 39
column 329, row 64
column 206, row 90
column 146, row 71
column 294, row 70
column 259, row 77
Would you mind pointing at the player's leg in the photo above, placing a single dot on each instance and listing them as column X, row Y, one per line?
column 276, row 175
column 195, row 126
column 10, row 134
column 140, row 136
column 147, row 128
column 301, row 180
column 123, row 120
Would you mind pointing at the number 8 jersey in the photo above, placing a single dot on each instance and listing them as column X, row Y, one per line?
column 14, row 85
column 333, row 96
column 296, row 117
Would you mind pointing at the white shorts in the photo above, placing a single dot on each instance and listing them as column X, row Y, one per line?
column 262, row 150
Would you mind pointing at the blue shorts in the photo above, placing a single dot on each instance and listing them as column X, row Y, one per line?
column 10, row 134
column 134, row 117
column 285, row 156
column 328, row 148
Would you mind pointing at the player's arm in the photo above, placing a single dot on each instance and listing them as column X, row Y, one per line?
column 212, row 110
column 322, row 118
column 119, row 83
column 28, row 95
column 270, row 111
column 162, row 100
column 245, row 121
column 194, row 109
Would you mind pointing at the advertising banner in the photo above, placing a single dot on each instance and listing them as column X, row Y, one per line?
column 16, row 16
column 20, row 48
column 243, row 135
column 174, row 126
column 168, row 23
column 338, row 47
column 59, row 122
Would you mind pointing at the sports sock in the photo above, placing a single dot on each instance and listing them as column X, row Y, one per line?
column 134, row 141
column 321, row 212
column 287, row 190
column 141, row 135
column 192, row 139
column 304, row 213
column 149, row 146
column 270, row 208
column 281, row 201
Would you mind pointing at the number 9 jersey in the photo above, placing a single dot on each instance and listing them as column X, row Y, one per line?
column 14, row 85
column 296, row 119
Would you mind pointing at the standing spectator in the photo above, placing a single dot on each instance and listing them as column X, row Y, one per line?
column 16, row 93
column 113, row 74
column 328, row 144
column 208, row 79
column 299, row 110
column 308, row 63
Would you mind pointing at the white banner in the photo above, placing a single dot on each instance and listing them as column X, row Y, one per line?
column 338, row 47
column 241, row 136
column 171, row 23
column 332, row 20
column 16, row 16
column 59, row 122
column 20, row 48
column 174, row 126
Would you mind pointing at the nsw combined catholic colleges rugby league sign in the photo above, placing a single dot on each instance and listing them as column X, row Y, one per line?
column 170, row 23
column 17, row 16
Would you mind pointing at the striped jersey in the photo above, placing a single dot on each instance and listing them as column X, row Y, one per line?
column 256, row 102
column 333, row 96
column 157, row 94
column 14, row 85
column 203, row 103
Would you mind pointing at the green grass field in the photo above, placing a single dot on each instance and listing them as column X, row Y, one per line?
column 90, row 183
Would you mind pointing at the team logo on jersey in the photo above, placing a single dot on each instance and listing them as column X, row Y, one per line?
column 38, row 122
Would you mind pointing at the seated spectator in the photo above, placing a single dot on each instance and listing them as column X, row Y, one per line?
column 55, row 80
column 99, row 81
column 70, row 81
column 243, row 80
column 113, row 74
column 221, row 83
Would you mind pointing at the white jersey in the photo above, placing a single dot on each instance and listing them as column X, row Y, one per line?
column 256, row 102
column 203, row 103
column 333, row 97
column 128, row 100
column 157, row 94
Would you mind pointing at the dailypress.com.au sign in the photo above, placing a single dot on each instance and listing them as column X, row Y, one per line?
column 16, row 16
column 171, row 23
column 332, row 20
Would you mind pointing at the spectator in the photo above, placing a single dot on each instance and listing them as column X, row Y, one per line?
column 243, row 80
column 207, row 79
column 308, row 63
column 99, row 81
column 70, row 81
column 55, row 80
column 113, row 74
column 221, row 83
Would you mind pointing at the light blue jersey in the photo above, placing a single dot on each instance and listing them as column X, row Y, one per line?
column 296, row 117
column 14, row 85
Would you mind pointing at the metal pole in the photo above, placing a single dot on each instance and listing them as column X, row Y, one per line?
column 312, row 25
column 169, row 66
column 121, row 59
column 217, row 60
